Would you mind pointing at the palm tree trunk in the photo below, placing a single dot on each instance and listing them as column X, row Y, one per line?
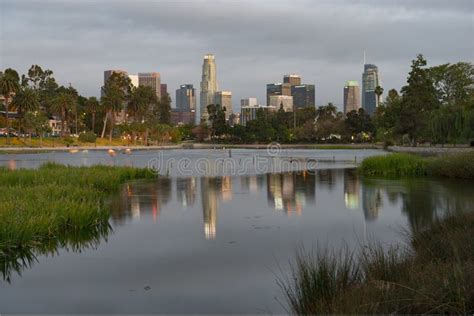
column 93, row 122
column 8, row 121
column 105, row 124
column 112, row 123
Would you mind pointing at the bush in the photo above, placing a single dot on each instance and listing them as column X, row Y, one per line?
column 452, row 166
column 68, row 140
column 87, row 137
column 394, row 165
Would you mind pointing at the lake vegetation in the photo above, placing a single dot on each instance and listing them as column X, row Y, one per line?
column 460, row 165
column 433, row 276
column 55, row 206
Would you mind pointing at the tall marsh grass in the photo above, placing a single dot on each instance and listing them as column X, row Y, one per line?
column 406, row 165
column 56, row 204
column 435, row 277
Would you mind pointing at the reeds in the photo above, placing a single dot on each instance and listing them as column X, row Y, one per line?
column 56, row 205
column 435, row 276
column 459, row 165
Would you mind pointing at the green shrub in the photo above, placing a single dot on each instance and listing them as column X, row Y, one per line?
column 394, row 165
column 87, row 137
column 453, row 166
column 68, row 140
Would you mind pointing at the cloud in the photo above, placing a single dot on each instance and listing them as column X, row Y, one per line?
column 255, row 42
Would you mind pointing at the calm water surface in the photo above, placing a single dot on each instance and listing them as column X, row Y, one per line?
column 218, row 244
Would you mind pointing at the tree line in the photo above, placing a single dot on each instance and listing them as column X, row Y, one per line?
column 435, row 106
column 36, row 96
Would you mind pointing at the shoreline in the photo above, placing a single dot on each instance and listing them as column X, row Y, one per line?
column 26, row 150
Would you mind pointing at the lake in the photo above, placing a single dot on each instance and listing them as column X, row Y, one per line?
column 218, row 243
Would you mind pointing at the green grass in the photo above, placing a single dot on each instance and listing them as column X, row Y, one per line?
column 406, row 165
column 436, row 276
column 56, row 205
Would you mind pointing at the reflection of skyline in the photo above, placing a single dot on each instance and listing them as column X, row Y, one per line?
column 186, row 191
column 289, row 192
column 421, row 201
column 351, row 189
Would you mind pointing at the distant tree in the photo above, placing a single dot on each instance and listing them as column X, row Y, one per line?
column 36, row 122
column 217, row 120
column 163, row 110
column 92, row 106
column 9, row 85
column 63, row 104
column 117, row 90
column 378, row 92
column 418, row 100
column 142, row 100
column 454, row 83
column 26, row 100
column 358, row 122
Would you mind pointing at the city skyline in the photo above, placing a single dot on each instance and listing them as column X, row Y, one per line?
column 152, row 39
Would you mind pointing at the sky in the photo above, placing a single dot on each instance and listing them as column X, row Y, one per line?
column 255, row 42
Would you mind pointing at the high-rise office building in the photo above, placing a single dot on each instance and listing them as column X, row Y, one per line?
column 248, row 102
column 278, row 89
column 209, row 85
column 164, row 89
column 351, row 96
column 224, row 99
column 249, row 113
column 370, row 80
column 152, row 80
column 186, row 98
column 285, row 101
column 303, row 96
column 294, row 80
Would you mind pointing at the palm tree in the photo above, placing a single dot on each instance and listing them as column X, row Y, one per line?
column 26, row 100
column 62, row 104
column 116, row 91
column 9, row 85
column 92, row 105
column 378, row 91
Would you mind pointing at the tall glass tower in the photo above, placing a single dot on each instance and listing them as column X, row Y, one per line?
column 208, row 85
column 370, row 80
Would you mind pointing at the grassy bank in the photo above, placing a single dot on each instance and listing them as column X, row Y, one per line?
column 459, row 165
column 39, row 208
column 435, row 277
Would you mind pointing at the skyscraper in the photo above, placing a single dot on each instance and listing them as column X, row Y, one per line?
column 351, row 96
column 152, row 80
column 224, row 99
column 186, row 98
column 294, row 80
column 370, row 80
column 209, row 85
column 303, row 94
column 164, row 89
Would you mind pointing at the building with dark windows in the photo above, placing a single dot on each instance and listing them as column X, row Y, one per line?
column 303, row 94
column 164, row 89
column 152, row 80
column 370, row 80
column 186, row 98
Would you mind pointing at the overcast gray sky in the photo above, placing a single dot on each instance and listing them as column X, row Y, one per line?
column 255, row 42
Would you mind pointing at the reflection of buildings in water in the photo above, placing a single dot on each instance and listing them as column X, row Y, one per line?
column 139, row 198
column 371, row 202
column 326, row 178
column 289, row 192
column 351, row 189
column 209, row 195
column 250, row 183
column 226, row 188
column 186, row 191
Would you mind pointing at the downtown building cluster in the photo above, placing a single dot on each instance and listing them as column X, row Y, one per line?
column 289, row 95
